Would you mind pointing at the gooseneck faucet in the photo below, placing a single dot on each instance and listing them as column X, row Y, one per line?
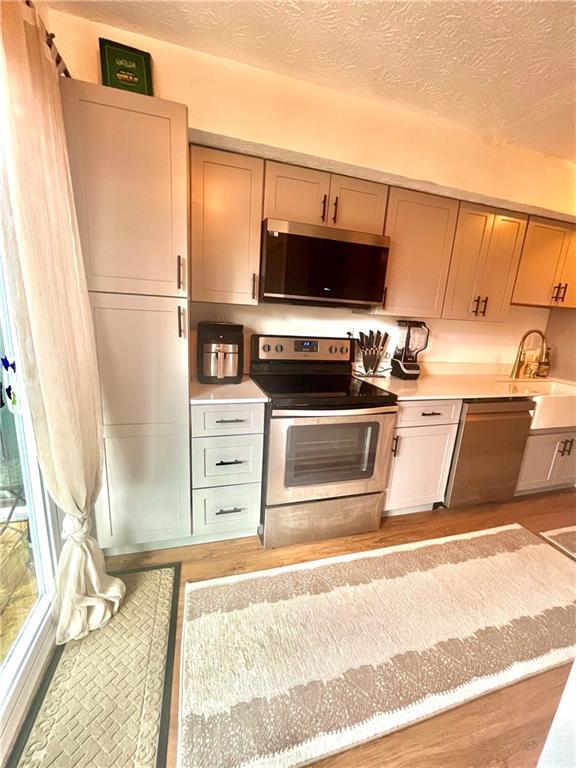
column 520, row 361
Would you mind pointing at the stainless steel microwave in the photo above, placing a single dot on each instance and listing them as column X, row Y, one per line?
column 309, row 264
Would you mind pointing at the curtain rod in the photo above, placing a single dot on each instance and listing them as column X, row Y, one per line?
column 49, row 39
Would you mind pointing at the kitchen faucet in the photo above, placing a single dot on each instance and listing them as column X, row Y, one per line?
column 524, row 369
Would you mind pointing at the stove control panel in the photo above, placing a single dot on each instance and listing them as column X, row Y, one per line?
column 301, row 348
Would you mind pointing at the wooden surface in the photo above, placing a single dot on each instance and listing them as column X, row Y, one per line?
column 506, row 728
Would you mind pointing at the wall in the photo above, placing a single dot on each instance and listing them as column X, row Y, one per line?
column 235, row 100
column 454, row 345
column 561, row 333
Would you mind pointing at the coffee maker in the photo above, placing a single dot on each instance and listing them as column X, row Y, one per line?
column 220, row 353
column 413, row 339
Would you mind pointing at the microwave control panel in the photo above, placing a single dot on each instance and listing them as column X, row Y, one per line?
column 303, row 348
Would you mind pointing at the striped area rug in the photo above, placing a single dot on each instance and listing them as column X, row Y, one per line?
column 285, row 666
column 565, row 538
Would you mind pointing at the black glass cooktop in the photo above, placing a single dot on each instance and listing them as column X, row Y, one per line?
column 322, row 390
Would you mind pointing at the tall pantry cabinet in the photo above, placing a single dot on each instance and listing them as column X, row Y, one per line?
column 128, row 160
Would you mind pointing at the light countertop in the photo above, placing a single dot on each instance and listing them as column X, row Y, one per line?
column 465, row 386
column 244, row 392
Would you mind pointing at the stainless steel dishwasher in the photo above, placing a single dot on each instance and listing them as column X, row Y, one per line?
column 489, row 448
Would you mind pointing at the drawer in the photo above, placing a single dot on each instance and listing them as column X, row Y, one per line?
column 230, row 508
column 230, row 460
column 418, row 413
column 227, row 419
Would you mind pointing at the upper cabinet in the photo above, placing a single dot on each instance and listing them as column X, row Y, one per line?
column 128, row 160
column 226, row 220
column 318, row 197
column 357, row 204
column 421, row 229
column 484, row 261
column 566, row 275
column 296, row 194
column 547, row 272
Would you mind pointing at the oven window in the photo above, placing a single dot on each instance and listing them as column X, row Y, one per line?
column 333, row 453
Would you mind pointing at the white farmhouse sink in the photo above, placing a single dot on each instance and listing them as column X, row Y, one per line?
column 555, row 407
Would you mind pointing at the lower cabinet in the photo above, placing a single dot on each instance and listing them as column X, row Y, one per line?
column 142, row 349
column 549, row 461
column 226, row 509
column 420, row 466
column 226, row 468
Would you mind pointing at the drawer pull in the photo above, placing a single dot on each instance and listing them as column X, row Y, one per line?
column 230, row 421
column 230, row 511
column 395, row 441
column 431, row 413
column 229, row 463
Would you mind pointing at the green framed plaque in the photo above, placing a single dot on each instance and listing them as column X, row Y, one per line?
column 125, row 67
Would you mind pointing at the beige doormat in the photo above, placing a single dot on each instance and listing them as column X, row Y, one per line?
column 565, row 538
column 283, row 667
column 106, row 698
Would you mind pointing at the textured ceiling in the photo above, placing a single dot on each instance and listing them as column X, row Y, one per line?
column 505, row 68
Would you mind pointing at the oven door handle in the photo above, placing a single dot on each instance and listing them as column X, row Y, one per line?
column 279, row 414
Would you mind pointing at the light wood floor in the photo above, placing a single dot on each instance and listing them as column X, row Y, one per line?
column 504, row 729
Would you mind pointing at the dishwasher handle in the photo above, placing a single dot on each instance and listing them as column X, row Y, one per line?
column 472, row 418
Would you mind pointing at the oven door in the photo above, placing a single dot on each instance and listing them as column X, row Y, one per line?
column 327, row 454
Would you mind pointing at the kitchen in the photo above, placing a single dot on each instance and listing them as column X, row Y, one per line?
column 256, row 228
column 312, row 346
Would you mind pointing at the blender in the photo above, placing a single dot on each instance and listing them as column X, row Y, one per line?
column 413, row 339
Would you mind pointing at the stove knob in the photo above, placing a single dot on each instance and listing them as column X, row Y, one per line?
column 333, row 349
column 266, row 348
column 278, row 347
column 343, row 350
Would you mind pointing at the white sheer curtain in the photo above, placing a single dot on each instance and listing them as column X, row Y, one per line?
column 45, row 278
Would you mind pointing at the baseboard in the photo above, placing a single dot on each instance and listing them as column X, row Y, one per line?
column 129, row 549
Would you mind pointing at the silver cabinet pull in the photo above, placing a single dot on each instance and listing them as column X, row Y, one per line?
column 230, row 511
column 431, row 413
column 477, row 305
column 179, row 281
column 324, row 202
column 484, row 305
column 230, row 421
column 253, row 285
column 335, row 216
column 562, row 292
column 556, row 291
column 395, row 441
column 229, row 463
column 180, row 322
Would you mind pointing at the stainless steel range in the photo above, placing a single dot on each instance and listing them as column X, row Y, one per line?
column 329, row 444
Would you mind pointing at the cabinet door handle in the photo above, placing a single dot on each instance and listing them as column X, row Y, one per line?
column 562, row 451
column 570, row 445
column 229, row 511
column 384, row 296
column 229, row 463
column 324, row 203
column 555, row 292
column 484, row 305
column 230, row 421
column 180, row 322
column 431, row 413
column 562, row 292
column 179, row 281
column 477, row 305
column 395, row 441
column 335, row 216
column 254, row 284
